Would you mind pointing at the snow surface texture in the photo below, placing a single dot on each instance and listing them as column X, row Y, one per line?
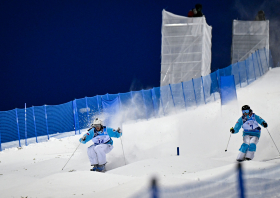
column 150, row 149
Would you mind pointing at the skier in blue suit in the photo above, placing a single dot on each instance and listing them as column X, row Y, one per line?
column 251, row 134
column 103, row 144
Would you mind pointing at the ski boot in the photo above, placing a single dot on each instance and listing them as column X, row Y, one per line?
column 100, row 168
column 248, row 159
column 94, row 167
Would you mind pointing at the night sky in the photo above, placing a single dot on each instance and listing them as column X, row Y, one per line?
column 54, row 51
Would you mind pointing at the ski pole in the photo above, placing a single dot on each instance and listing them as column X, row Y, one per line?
column 71, row 156
column 123, row 152
column 273, row 141
column 228, row 143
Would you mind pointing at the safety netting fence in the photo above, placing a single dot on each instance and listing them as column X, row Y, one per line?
column 234, row 183
column 39, row 123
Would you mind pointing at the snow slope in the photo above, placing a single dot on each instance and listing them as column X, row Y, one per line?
column 150, row 151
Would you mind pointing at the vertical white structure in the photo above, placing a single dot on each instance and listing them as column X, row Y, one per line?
column 247, row 37
column 185, row 48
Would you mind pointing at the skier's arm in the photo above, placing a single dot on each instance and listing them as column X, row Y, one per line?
column 261, row 121
column 114, row 133
column 87, row 137
column 238, row 125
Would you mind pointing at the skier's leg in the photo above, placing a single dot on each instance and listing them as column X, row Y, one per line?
column 101, row 151
column 243, row 149
column 92, row 155
column 252, row 148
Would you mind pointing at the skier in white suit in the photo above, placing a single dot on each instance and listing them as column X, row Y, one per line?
column 103, row 144
column 251, row 134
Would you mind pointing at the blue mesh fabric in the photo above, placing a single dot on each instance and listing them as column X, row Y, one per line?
column 111, row 109
column 198, row 91
column 60, row 118
column 40, row 121
column 243, row 73
column 250, row 69
column 145, row 104
column 8, row 126
column 166, row 99
column 157, row 102
column 149, row 105
column 178, row 96
column 256, row 65
column 207, row 82
column 262, row 57
column 189, row 94
column 228, row 90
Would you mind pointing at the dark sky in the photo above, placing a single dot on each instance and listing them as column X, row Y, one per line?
column 54, row 51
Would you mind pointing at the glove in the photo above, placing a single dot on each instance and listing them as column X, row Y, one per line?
column 82, row 140
column 119, row 130
column 264, row 124
column 232, row 130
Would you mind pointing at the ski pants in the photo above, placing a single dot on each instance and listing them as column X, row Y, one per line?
column 97, row 153
column 248, row 148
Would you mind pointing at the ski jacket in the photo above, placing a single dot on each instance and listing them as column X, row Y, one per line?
column 101, row 137
column 250, row 125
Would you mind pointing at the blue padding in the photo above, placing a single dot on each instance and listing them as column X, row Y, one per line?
column 111, row 108
column 252, row 147
column 228, row 91
column 244, row 147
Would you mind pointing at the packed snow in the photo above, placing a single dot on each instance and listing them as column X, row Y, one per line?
column 150, row 150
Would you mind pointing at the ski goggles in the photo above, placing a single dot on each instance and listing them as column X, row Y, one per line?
column 97, row 125
column 245, row 111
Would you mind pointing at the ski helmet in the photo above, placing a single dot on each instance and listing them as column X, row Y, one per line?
column 246, row 108
column 97, row 121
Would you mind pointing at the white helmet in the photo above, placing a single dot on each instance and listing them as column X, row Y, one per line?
column 97, row 121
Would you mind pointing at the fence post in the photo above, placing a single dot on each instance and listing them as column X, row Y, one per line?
column 254, row 67
column 120, row 100
column 246, row 72
column 153, row 98
column 78, row 122
column 34, row 124
column 194, row 92
column 74, row 114
column 184, row 95
column 87, row 112
column 260, row 61
column 172, row 95
column 240, row 181
column 144, row 103
column 266, row 59
column 46, row 115
column 18, row 128
column 239, row 73
column 25, row 126
column 162, row 104
column 203, row 90
column 154, row 188
column 98, row 104
column 217, row 84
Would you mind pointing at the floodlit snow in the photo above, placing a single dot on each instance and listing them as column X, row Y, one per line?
column 150, row 149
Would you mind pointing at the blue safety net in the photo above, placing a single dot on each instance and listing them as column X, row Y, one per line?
column 36, row 124
column 228, row 90
column 111, row 112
